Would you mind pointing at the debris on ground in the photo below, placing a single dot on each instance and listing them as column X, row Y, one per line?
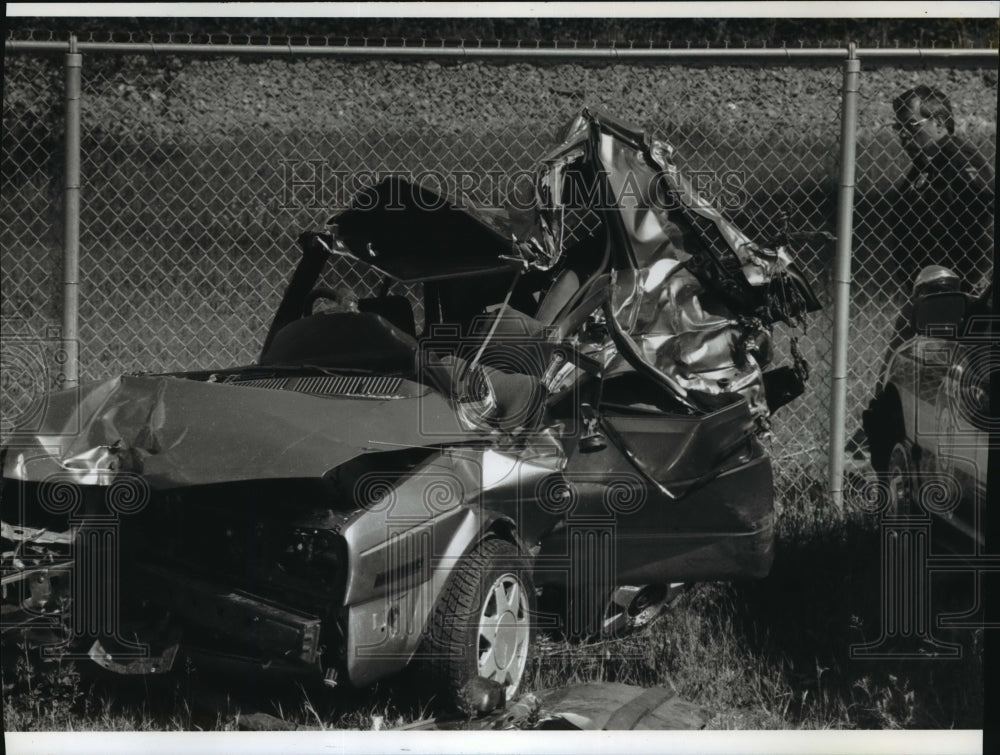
column 589, row 706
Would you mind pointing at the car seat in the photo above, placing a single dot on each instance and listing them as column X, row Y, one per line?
column 396, row 309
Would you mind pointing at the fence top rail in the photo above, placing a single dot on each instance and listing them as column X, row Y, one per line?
column 885, row 54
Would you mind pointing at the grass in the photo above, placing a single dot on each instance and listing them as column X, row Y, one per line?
column 771, row 654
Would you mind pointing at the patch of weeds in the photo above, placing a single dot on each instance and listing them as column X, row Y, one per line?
column 39, row 692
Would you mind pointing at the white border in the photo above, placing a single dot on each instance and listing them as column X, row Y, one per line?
column 461, row 742
column 788, row 9
column 932, row 742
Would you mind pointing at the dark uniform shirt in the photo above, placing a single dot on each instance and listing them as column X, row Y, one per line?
column 946, row 213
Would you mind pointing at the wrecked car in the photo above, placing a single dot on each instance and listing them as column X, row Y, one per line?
column 576, row 417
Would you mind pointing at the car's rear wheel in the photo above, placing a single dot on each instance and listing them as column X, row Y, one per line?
column 883, row 423
column 902, row 482
column 481, row 626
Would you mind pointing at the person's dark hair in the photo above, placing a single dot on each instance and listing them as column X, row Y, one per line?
column 933, row 103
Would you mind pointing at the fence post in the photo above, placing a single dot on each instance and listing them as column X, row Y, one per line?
column 842, row 273
column 71, row 220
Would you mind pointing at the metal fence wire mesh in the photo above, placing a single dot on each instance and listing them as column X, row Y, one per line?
column 198, row 173
column 31, row 167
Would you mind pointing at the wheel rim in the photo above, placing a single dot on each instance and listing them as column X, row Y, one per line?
column 504, row 631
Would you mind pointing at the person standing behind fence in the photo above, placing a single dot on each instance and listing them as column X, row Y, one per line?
column 947, row 198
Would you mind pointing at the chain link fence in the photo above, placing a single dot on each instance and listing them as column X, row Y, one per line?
column 31, row 168
column 200, row 170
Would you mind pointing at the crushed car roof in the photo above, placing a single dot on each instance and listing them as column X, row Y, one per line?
column 412, row 234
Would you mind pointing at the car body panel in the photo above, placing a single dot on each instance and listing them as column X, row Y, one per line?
column 177, row 432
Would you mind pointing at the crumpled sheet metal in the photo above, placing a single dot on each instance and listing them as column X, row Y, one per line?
column 625, row 154
column 176, row 432
column 674, row 322
column 679, row 326
column 687, row 334
column 590, row 706
column 615, row 706
column 35, row 535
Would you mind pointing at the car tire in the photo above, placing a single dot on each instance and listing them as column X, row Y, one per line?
column 883, row 424
column 481, row 625
column 902, row 481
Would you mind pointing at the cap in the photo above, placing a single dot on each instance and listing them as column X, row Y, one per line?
column 936, row 277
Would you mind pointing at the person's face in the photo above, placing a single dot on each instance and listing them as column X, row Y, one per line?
column 917, row 132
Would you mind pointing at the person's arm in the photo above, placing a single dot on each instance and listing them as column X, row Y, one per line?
column 973, row 178
column 976, row 184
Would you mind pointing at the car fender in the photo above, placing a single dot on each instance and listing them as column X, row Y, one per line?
column 386, row 622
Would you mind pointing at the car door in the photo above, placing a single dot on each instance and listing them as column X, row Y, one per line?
column 961, row 443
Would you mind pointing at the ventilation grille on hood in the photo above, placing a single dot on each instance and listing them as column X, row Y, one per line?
column 330, row 385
